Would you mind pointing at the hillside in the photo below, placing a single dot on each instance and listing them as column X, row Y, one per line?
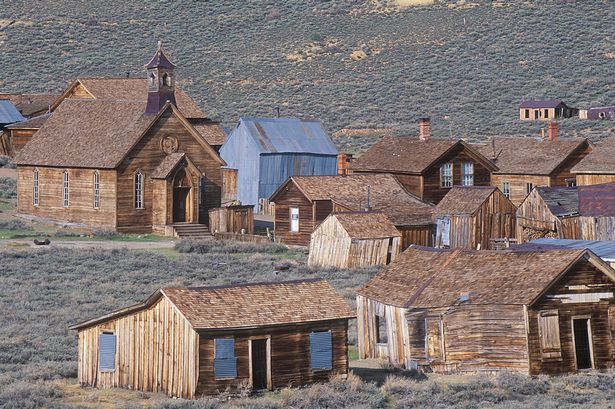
column 352, row 63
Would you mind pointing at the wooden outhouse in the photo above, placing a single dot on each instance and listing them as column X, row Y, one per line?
column 427, row 167
column 303, row 202
column 354, row 239
column 524, row 163
column 471, row 216
column 188, row 342
column 131, row 163
column 582, row 212
column 535, row 312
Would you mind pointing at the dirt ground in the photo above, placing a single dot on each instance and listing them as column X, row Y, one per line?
column 89, row 244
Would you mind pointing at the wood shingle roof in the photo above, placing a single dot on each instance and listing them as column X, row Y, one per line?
column 600, row 160
column 428, row 278
column 464, row 199
column 248, row 305
column 366, row 225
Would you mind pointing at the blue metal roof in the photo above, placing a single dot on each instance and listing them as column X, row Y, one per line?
column 287, row 135
column 603, row 249
column 8, row 113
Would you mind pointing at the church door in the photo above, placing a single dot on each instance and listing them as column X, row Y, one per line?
column 181, row 198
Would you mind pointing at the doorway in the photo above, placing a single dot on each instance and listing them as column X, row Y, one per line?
column 260, row 364
column 180, row 202
column 581, row 332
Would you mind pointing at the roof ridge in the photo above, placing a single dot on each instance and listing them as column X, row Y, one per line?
column 240, row 285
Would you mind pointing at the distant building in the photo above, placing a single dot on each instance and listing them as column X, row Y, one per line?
column 267, row 151
column 8, row 115
column 547, row 109
column 597, row 113
column 188, row 342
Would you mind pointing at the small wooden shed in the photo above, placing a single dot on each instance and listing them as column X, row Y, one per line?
column 580, row 212
column 232, row 219
column 188, row 342
column 535, row 312
column 471, row 216
column 354, row 239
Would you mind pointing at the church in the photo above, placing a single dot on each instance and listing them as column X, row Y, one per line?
column 131, row 155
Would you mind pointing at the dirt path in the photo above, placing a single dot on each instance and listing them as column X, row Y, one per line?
column 90, row 244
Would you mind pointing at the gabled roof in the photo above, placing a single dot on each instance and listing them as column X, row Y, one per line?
column 128, row 89
column 464, row 199
column 366, row 225
column 285, row 135
column 424, row 278
column 9, row 113
column 159, row 60
column 167, row 165
column 600, row 160
column 31, row 104
column 403, row 154
column 542, row 103
column 242, row 306
column 212, row 132
column 561, row 201
column 32, row 123
column 92, row 133
column 529, row 156
column 387, row 195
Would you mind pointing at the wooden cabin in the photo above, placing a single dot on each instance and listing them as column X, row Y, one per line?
column 524, row 163
column 532, row 110
column 303, row 202
column 598, row 166
column 267, row 151
column 31, row 105
column 189, row 342
column 582, row 213
column 454, row 311
column 472, row 216
column 135, row 165
column 16, row 135
column 428, row 168
column 354, row 239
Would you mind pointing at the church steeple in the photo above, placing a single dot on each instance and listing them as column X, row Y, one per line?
column 160, row 82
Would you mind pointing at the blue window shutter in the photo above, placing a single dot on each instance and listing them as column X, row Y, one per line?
column 106, row 352
column 321, row 350
column 225, row 362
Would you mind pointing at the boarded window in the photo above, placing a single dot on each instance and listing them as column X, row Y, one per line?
column 381, row 329
column 506, row 189
column 225, row 362
column 321, row 350
column 433, row 338
column 294, row 219
column 443, row 232
column 446, row 175
column 106, row 352
column 548, row 331
column 467, row 172
column 65, row 201
column 35, row 188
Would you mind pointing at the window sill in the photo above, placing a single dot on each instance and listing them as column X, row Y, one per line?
column 106, row 370
column 225, row 379
column 321, row 369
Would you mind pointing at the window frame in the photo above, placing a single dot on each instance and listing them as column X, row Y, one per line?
column 321, row 369
column 65, row 189
column 291, row 225
column 138, row 187
column 506, row 189
column 234, row 357
column 96, row 189
column 112, row 333
column 35, row 187
column 465, row 175
column 446, row 181
column 529, row 186
column 527, row 114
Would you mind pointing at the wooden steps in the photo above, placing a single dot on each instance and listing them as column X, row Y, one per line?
column 192, row 231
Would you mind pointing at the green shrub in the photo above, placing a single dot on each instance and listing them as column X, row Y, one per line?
column 14, row 224
column 8, row 188
column 227, row 246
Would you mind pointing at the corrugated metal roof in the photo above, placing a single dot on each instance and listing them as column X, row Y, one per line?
column 287, row 135
column 8, row 112
column 603, row 249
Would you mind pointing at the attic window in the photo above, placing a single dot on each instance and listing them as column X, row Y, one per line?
column 446, row 175
column 467, row 173
column 506, row 189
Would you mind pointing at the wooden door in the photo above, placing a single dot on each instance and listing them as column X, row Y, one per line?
column 259, row 364
column 180, row 204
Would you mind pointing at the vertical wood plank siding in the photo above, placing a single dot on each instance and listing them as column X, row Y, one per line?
column 290, row 356
column 419, row 235
column 157, row 351
column 292, row 197
column 518, row 184
column 594, row 179
column 81, row 195
column 232, row 219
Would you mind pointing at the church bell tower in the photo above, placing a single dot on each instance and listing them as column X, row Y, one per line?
column 160, row 82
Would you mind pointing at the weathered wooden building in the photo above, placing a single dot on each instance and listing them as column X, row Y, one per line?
column 128, row 165
column 602, row 248
column 188, row 342
column 428, row 168
column 266, row 151
column 523, row 163
column 472, row 216
column 354, row 239
column 598, row 166
column 536, row 312
column 15, row 136
column 548, row 109
column 582, row 212
column 8, row 115
column 31, row 105
column 303, row 202
column 232, row 219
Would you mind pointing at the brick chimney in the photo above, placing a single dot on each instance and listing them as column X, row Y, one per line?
column 552, row 130
column 425, row 129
